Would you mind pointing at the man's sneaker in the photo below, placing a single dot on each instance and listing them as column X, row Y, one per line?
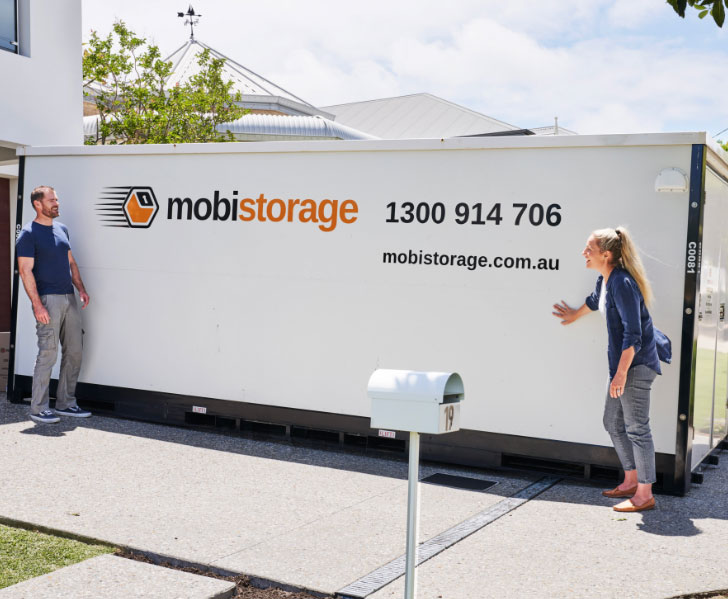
column 45, row 417
column 74, row 411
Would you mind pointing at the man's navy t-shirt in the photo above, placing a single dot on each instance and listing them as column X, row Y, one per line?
column 48, row 245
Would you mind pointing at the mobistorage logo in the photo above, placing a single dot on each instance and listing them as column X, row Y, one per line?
column 127, row 207
column 137, row 207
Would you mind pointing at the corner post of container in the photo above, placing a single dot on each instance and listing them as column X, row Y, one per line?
column 12, row 395
column 688, row 346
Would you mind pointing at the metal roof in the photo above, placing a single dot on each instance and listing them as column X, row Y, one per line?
column 291, row 127
column 414, row 117
column 255, row 88
column 90, row 125
column 252, row 127
column 551, row 130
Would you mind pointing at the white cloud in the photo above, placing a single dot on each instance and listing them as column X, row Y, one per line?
column 304, row 75
column 600, row 65
column 635, row 13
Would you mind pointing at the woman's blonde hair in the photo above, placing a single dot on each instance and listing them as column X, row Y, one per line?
column 624, row 254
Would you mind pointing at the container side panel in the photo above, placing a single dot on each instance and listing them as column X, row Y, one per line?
column 708, row 312
column 452, row 263
column 716, row 192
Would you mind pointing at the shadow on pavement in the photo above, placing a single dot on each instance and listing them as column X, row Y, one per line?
column 671, row 523
column 50, row 430
column 674, row 516
column 14, row 413
column 394, row 466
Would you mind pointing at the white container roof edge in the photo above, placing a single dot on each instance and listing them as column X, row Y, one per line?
column 484, row 143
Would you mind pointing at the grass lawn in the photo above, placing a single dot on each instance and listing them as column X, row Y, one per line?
column 26, row 554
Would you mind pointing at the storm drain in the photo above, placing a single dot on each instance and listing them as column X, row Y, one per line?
column 458, row 482
column 381, row 577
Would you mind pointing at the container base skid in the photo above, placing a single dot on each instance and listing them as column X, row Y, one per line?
column 464, row 447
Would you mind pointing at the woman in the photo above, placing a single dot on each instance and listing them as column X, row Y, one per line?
column 622, row 294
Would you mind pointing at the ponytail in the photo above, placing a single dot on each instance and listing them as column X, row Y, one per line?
column 624, row 253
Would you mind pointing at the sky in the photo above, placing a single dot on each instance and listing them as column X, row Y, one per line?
column 600, row 66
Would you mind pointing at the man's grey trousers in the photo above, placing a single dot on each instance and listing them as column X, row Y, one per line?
column 65, row 326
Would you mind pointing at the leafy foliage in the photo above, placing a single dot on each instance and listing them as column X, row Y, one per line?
column 716, row 8
column 126, row 77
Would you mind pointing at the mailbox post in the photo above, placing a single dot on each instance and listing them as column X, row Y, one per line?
column 418, row 402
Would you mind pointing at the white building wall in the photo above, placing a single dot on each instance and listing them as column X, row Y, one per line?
column 42, row 99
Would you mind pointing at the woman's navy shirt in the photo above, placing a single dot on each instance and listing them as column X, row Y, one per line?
column 628, row 322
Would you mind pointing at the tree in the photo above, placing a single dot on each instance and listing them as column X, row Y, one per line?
column 126, row 78
column 715, row 7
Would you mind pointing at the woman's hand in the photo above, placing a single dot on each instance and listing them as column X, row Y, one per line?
column 566, row 313
column 616, row 387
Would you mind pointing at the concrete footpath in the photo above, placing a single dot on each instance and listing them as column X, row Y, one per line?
column 323, row 520
column 111, row 577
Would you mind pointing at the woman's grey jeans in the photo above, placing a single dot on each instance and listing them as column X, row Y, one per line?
column 627, row 420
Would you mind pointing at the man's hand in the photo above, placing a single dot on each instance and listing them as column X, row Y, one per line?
column 566, row 313
column 41, row 314
column 77, row 282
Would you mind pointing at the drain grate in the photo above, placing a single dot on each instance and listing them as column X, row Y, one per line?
column 381, row 577
column 459, row 482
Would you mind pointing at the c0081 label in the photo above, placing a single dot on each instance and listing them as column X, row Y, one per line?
column 199, row 409
column 388, row 434
column 692, row 258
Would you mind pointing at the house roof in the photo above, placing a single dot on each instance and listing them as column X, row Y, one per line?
column 551, row 130
column 254, row 88
column 415, row 116
column 252, row 127
column 272, row 126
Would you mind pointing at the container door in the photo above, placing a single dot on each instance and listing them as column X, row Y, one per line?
column 717, row 194
column 720, row 392
column 707, row 336
column 711, row 370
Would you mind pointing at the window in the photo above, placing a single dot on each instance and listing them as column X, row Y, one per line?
column 9, row 25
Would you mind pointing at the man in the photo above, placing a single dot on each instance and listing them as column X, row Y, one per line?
column 49, row 274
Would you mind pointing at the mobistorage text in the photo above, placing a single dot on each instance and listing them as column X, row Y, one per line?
column 471, row 262
column 326, row 213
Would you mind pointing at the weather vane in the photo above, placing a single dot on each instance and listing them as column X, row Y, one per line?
column 192, row 19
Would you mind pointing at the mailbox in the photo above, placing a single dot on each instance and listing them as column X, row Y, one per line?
column 422, row 402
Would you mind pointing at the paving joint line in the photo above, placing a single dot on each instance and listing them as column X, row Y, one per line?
column 175, row 563
column 392, row 570
column 56, row 532
column 159, row 559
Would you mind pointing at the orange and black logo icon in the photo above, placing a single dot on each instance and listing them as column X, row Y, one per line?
column 127, row 207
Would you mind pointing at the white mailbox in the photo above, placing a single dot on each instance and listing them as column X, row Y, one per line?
column 418, row 402
column 423, row 402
